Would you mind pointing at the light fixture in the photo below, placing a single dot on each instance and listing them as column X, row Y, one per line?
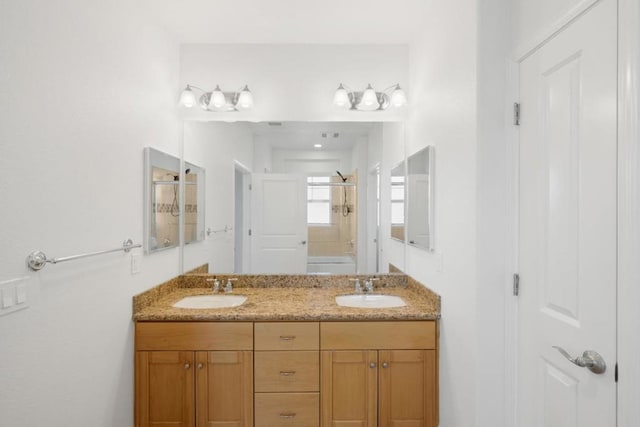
column 341, row 97
column 217, row 100
column 317, row 145
column 369, row 99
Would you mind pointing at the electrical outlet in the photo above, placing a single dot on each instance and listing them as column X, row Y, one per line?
column 136, row 261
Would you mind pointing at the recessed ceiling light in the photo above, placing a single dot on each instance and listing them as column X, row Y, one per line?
column 317, row 145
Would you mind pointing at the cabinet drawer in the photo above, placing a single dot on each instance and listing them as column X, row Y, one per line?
column 194, row 336
column 378, row 335
column 287, row 371
column 287, row 409
column 287, row 336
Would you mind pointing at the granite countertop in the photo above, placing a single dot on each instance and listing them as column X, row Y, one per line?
column 286, row 298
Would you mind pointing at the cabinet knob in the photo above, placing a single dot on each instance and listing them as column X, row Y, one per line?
column 187, row 366
column 200, row 366
column 385, row 365
column 372, row 365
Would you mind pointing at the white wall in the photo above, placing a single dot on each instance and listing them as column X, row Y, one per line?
column 393, row 152
column 215, row 147
column 294, row 82
column 311, row 162
column 443, row 78
column 493, row 212
column 262, row 155
column 84, row 86
column 359, row 163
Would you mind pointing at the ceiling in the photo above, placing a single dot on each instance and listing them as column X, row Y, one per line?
column 302, row 135
column 289, row 21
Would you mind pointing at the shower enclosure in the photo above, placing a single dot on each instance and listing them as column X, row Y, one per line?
column 332, row 224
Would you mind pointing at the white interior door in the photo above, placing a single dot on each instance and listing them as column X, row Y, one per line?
column 279, row 223
column 567, row 221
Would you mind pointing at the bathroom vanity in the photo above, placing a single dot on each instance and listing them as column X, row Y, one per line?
column 289, row 356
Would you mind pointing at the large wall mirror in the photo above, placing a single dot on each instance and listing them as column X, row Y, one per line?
column 164, row 211
column 294, row 197
column 420, row 199
column 162, row 208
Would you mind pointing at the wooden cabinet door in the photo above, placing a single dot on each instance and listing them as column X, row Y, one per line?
column 224, row 388
column 349, row 388
column 164, row 389
column 407, row 392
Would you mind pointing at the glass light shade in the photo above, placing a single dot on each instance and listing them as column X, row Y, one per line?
column 245, row 100
column 398, row 97
column 187, row 98
column 369, row 97
column 217, row 99
column 341, row 97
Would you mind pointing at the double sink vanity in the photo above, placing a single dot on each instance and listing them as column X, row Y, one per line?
column 287, row 350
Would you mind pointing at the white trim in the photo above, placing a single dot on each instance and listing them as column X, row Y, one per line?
column 246, row 215
column 512, row 137
column 547, row 33
column 628, row 212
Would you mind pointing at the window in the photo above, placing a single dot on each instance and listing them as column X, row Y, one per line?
column 318, row 200
column 397, row 200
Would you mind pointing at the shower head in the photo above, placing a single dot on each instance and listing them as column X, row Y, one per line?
column 343, row 178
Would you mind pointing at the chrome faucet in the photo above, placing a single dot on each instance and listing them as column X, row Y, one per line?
column 215, row 288
column 228, row 288
column 368, row 284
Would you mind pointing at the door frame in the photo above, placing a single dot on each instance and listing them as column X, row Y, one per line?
column 628, row 211
column 628, row 323
column 238, row 167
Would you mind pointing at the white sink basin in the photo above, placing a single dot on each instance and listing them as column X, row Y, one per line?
column 370, row 301
column 211, row 301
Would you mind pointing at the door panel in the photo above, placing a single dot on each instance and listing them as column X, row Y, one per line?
column 164, row 389
column 567, row 224
column 349, row 388
column 408, row 388
column 279, row 224
column 224, row 388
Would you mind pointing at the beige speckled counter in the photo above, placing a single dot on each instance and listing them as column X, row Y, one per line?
column 286, row 298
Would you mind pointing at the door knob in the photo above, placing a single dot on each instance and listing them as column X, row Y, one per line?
column 589, row 359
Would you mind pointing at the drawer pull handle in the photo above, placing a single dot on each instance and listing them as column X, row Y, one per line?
column 287, row 373
column 287, row 337
column 288, row 415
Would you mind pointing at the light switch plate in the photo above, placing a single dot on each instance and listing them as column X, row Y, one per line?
column 136, row 263
column 8, row 297
column 13, row 295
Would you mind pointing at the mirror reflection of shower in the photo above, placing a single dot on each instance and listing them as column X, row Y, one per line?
column 332, row 223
